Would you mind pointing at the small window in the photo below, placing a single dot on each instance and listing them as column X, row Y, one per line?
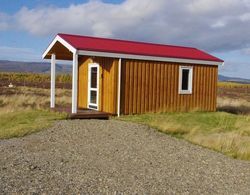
column 185, row 80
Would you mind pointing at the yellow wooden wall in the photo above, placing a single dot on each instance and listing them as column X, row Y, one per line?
column 154, row 87
column 108, row 78
column 83, row 81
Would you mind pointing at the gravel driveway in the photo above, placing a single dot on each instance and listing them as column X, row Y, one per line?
column 115, row 157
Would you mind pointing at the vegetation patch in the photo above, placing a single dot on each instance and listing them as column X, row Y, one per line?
column 24, row 110
column 220, row 131
column 33, row 77
column 34, row 80
column 233, row 98
column 21, row 123
column 27, row 98
column 234, row 91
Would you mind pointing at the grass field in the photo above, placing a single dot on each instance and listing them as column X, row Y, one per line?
column 24, row 110
column 21, row 123
column 233, row 97
column 33, row 77
column 34, row 80
column 29, row 98
column 233, row 85
column 220, row 131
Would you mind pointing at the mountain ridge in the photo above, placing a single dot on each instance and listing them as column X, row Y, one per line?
column 32, row 67
column 233, row 79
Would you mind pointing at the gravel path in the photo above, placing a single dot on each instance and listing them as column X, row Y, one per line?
column 114, row 157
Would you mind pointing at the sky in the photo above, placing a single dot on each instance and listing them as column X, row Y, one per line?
column 220, row 27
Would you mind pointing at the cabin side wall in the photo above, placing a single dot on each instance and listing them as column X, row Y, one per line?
column 154, row 87
column 108, row 79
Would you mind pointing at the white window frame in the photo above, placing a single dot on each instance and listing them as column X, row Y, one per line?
column 190, row 80
column 93, row 65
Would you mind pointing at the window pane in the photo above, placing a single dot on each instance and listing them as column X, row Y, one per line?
column 185, row 76
column 93, row 97
column 94, row 77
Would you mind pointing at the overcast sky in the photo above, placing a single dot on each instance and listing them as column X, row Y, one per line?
column 220, row 27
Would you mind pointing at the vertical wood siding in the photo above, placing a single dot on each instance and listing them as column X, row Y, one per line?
column 154, row 87
column 108, row 79
column 83, row 81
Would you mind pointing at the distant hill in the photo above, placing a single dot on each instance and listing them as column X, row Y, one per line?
column 36, row 67
column 233, row 79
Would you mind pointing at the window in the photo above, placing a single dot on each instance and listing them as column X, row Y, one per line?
column 93, row 85
column 185, row 79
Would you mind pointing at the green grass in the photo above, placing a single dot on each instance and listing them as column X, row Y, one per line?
column 220, row 131
column 21, row 123
column 23, row 110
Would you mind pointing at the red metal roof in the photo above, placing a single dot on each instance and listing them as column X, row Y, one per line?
column 136, row 48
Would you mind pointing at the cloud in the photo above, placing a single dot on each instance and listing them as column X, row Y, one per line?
column 95, row 18
column 216, row 7
column 218, row 24
column 4, row 21
column 246, row 51
column 245, row 17
column 212, row 25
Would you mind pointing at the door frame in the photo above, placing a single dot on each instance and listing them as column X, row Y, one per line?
column 89, row 104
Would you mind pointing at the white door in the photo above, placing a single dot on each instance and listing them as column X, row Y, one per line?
column 93, row 85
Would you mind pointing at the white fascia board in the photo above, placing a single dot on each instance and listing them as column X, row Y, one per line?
column 63, row 42
column 151, row 58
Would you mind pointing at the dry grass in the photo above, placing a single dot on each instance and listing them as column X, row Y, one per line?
column 27, row 98
column 234, row 106
column 233, row 98
column 33, row 77
column 220, row 131
column 232, row 102
column 233, row 144
column 233, row 85
column 24, row 110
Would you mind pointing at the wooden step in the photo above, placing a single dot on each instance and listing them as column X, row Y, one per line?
column 83, row 113
column 89, row 116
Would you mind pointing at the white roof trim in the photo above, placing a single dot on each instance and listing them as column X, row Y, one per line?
column 151, row 58
column 63, row 42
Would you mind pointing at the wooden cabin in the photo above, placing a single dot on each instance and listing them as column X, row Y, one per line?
column 128, row 77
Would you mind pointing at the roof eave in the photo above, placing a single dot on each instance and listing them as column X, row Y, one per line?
column 151, row 58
